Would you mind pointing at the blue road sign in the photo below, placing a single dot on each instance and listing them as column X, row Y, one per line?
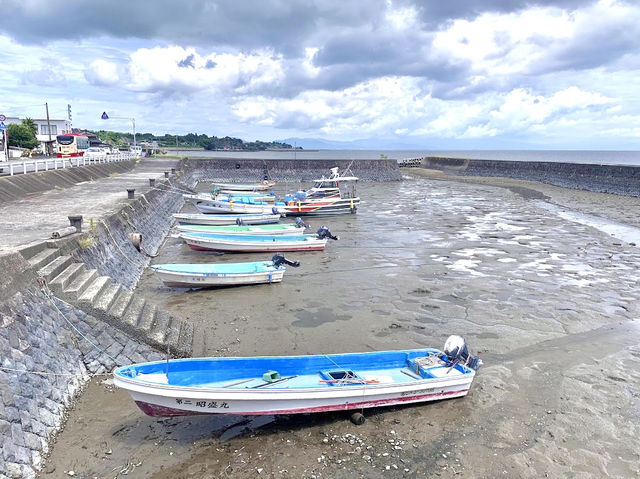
column 105, row 116
column 2, row 125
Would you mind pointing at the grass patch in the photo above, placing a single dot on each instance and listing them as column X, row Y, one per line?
column 113, row 175
column 86, row 242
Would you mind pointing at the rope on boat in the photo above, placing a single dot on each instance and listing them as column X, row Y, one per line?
column 44, row 288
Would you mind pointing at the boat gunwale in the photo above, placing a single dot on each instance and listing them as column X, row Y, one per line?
column 250, row 394
column 269, row 270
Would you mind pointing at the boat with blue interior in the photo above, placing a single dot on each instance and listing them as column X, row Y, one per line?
column 200, row 241
column 202, row 275
column 299, row 384
column 291, row 229
column 226, row 219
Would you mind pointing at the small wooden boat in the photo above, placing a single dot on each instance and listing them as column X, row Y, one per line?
column 223, row 274
column 264, row 186
column 260, row 230
column 225, row 219
column 299, row 384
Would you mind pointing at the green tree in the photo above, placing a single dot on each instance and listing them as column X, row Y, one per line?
column 22, row 136
column 29, row 123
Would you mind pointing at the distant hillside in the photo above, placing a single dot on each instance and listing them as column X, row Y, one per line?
column 191, row 140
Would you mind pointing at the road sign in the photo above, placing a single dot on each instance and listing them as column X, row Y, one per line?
column 2, row 126
column 105, row 116
column 3, row 118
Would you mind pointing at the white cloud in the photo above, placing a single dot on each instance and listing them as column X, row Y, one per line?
column 102, row 72
column 174, row 70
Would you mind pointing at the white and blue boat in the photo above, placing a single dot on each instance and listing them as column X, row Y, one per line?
column 223, row 274
column 226, row 219
column 290, row 229
column 299, row 384
column 235, row 243
column 234, row 205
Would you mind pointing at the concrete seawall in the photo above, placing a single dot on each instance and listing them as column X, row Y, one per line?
column 251, row 170
column 16, row 187
column 619, row 180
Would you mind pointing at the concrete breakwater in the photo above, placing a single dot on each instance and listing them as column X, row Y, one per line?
column 619, row 180
column 251, row 170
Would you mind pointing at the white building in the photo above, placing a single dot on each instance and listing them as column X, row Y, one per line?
column 47, row 142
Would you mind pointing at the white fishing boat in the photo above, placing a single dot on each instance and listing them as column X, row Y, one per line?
column 223, row 274
column 299, row 384
column 328, row 196
column 225, row 219
column 255, row 244
column 245, row 206
column 264, row 186
column 289, row 229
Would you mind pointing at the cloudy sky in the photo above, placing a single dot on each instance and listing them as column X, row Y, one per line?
column 515, row 74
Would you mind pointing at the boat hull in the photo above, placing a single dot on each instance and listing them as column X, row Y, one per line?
column 257, row 230
column 201, row 244
column 328, row 206
column 225, row 219
column 187, row 405
column 232, row 207
column 190, row 280
column 244, row 187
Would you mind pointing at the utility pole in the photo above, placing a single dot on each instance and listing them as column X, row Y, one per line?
column 48, row 128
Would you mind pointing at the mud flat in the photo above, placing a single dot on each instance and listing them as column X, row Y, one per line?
column 551, row 304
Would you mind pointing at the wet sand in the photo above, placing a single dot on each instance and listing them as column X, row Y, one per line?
column 550, row 304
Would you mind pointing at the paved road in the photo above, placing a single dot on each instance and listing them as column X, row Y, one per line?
column 37, row 216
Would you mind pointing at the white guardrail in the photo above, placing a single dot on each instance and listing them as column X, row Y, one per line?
column 45, row 164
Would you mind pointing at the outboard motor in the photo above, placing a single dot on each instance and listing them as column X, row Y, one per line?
column 301, row 224
column 239, row 221
column 323, row 232
column 279, row 259
column 276, row 211
column 455, row 348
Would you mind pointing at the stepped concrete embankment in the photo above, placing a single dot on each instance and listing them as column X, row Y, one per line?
column 614, row 179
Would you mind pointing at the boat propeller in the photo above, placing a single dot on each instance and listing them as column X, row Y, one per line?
column 279, row 259
column 455, row 348
column 301, row 223
column 323, row 232
column 239, row 221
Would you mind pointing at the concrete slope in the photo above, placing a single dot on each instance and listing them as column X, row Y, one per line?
column 104, row 299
